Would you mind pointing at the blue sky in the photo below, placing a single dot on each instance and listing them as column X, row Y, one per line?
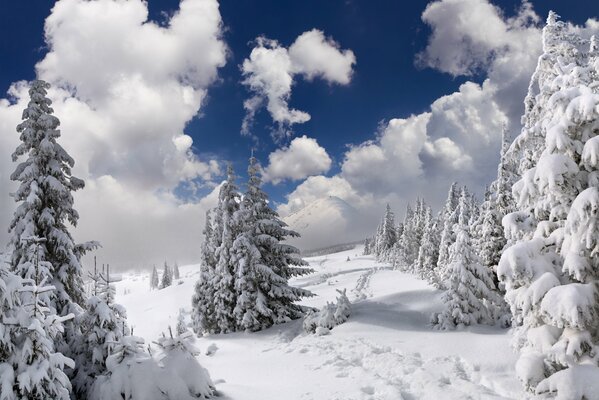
column 386, row 83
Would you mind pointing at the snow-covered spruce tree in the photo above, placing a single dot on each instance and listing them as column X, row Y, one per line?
column 368, row 244
column 428, row 253
column 470, row 288
column 408, row 245
column 181, row 324
column 38, row 370
column 179, row 357
column 30, row 367
column 201, row 301
column 550, row 271
column 448, row 233
column 558, row 44
column 386, row 236
column 447, row 219
column 331, row 315
column 176, row 273
column 45, row 208
column 154, row 280
column 103, row 325
column 167, row 276
column 264, row 264
column 215, row 297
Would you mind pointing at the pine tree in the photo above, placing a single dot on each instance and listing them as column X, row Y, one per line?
column 202, row 305
column 181, row 324
column 45, row 209
column 470, row 285
column 154, row 280
column 386, row 236
column 103, row 325
column 179, row 357
column 176, row 273
column 265, row 264
column 167, row 277
column 447, row 219
column 214, row 298
column 550, row 270
column 30, row 367
column 428, row 253
column 226, row 269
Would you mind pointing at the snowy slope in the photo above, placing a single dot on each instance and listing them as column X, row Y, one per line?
column 386, row 351
column 325, row 222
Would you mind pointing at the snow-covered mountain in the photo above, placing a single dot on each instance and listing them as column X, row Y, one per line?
column 326, row 222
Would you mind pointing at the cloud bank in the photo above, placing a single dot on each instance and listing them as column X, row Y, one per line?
column 124, row 88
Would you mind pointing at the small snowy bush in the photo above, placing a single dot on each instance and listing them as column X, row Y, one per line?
column 331, row 315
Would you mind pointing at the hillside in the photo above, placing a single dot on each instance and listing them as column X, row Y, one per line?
column 326, row 222
column 386, row 351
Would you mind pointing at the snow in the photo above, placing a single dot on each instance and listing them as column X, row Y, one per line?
column 325, row 222
column 386, row 349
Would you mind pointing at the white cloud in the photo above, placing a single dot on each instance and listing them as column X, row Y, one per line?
column 459, row 137
column 271, row 70
column 302, row 158
column 313, row 55
column 124, row 90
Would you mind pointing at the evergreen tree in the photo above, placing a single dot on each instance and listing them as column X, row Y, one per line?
column 176, row 273
column 202, row 305
column 154, row 280
column 224, row 277
column 386, row 236
column 45, row 209
column 103, row 325
column 30, row 367
column 214, row 298
column 449, row 217
column 181, row 325
column 470, row 286
column 428, row 253
column 550, row 270
column 264, row 263
column 167, row 276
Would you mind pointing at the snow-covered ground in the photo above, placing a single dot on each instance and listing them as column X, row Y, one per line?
column 386, row 350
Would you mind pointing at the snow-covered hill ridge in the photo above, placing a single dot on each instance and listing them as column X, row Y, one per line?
column 386, row 351
column 325, row 222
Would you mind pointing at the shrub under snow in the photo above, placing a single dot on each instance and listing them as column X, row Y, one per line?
column 331, row 315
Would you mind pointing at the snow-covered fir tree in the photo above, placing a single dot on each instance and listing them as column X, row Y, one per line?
column 408, row 245
column 179, row 357
column 447, row 219
column 428, row 253
column 202, row 306
column 30, row 366
column 103, row 325
column 214, row 298
column 470, row 287
column 181, row 324
column 154, row 279
column 176, row 273
column 45, row 209
column 167, row 276
column 264, row 264
column 386, row 235
column 550, row 270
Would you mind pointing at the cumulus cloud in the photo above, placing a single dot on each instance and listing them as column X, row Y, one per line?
column 459, row 137
column 302, row 158
column 124, row 89
column 271, row 70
